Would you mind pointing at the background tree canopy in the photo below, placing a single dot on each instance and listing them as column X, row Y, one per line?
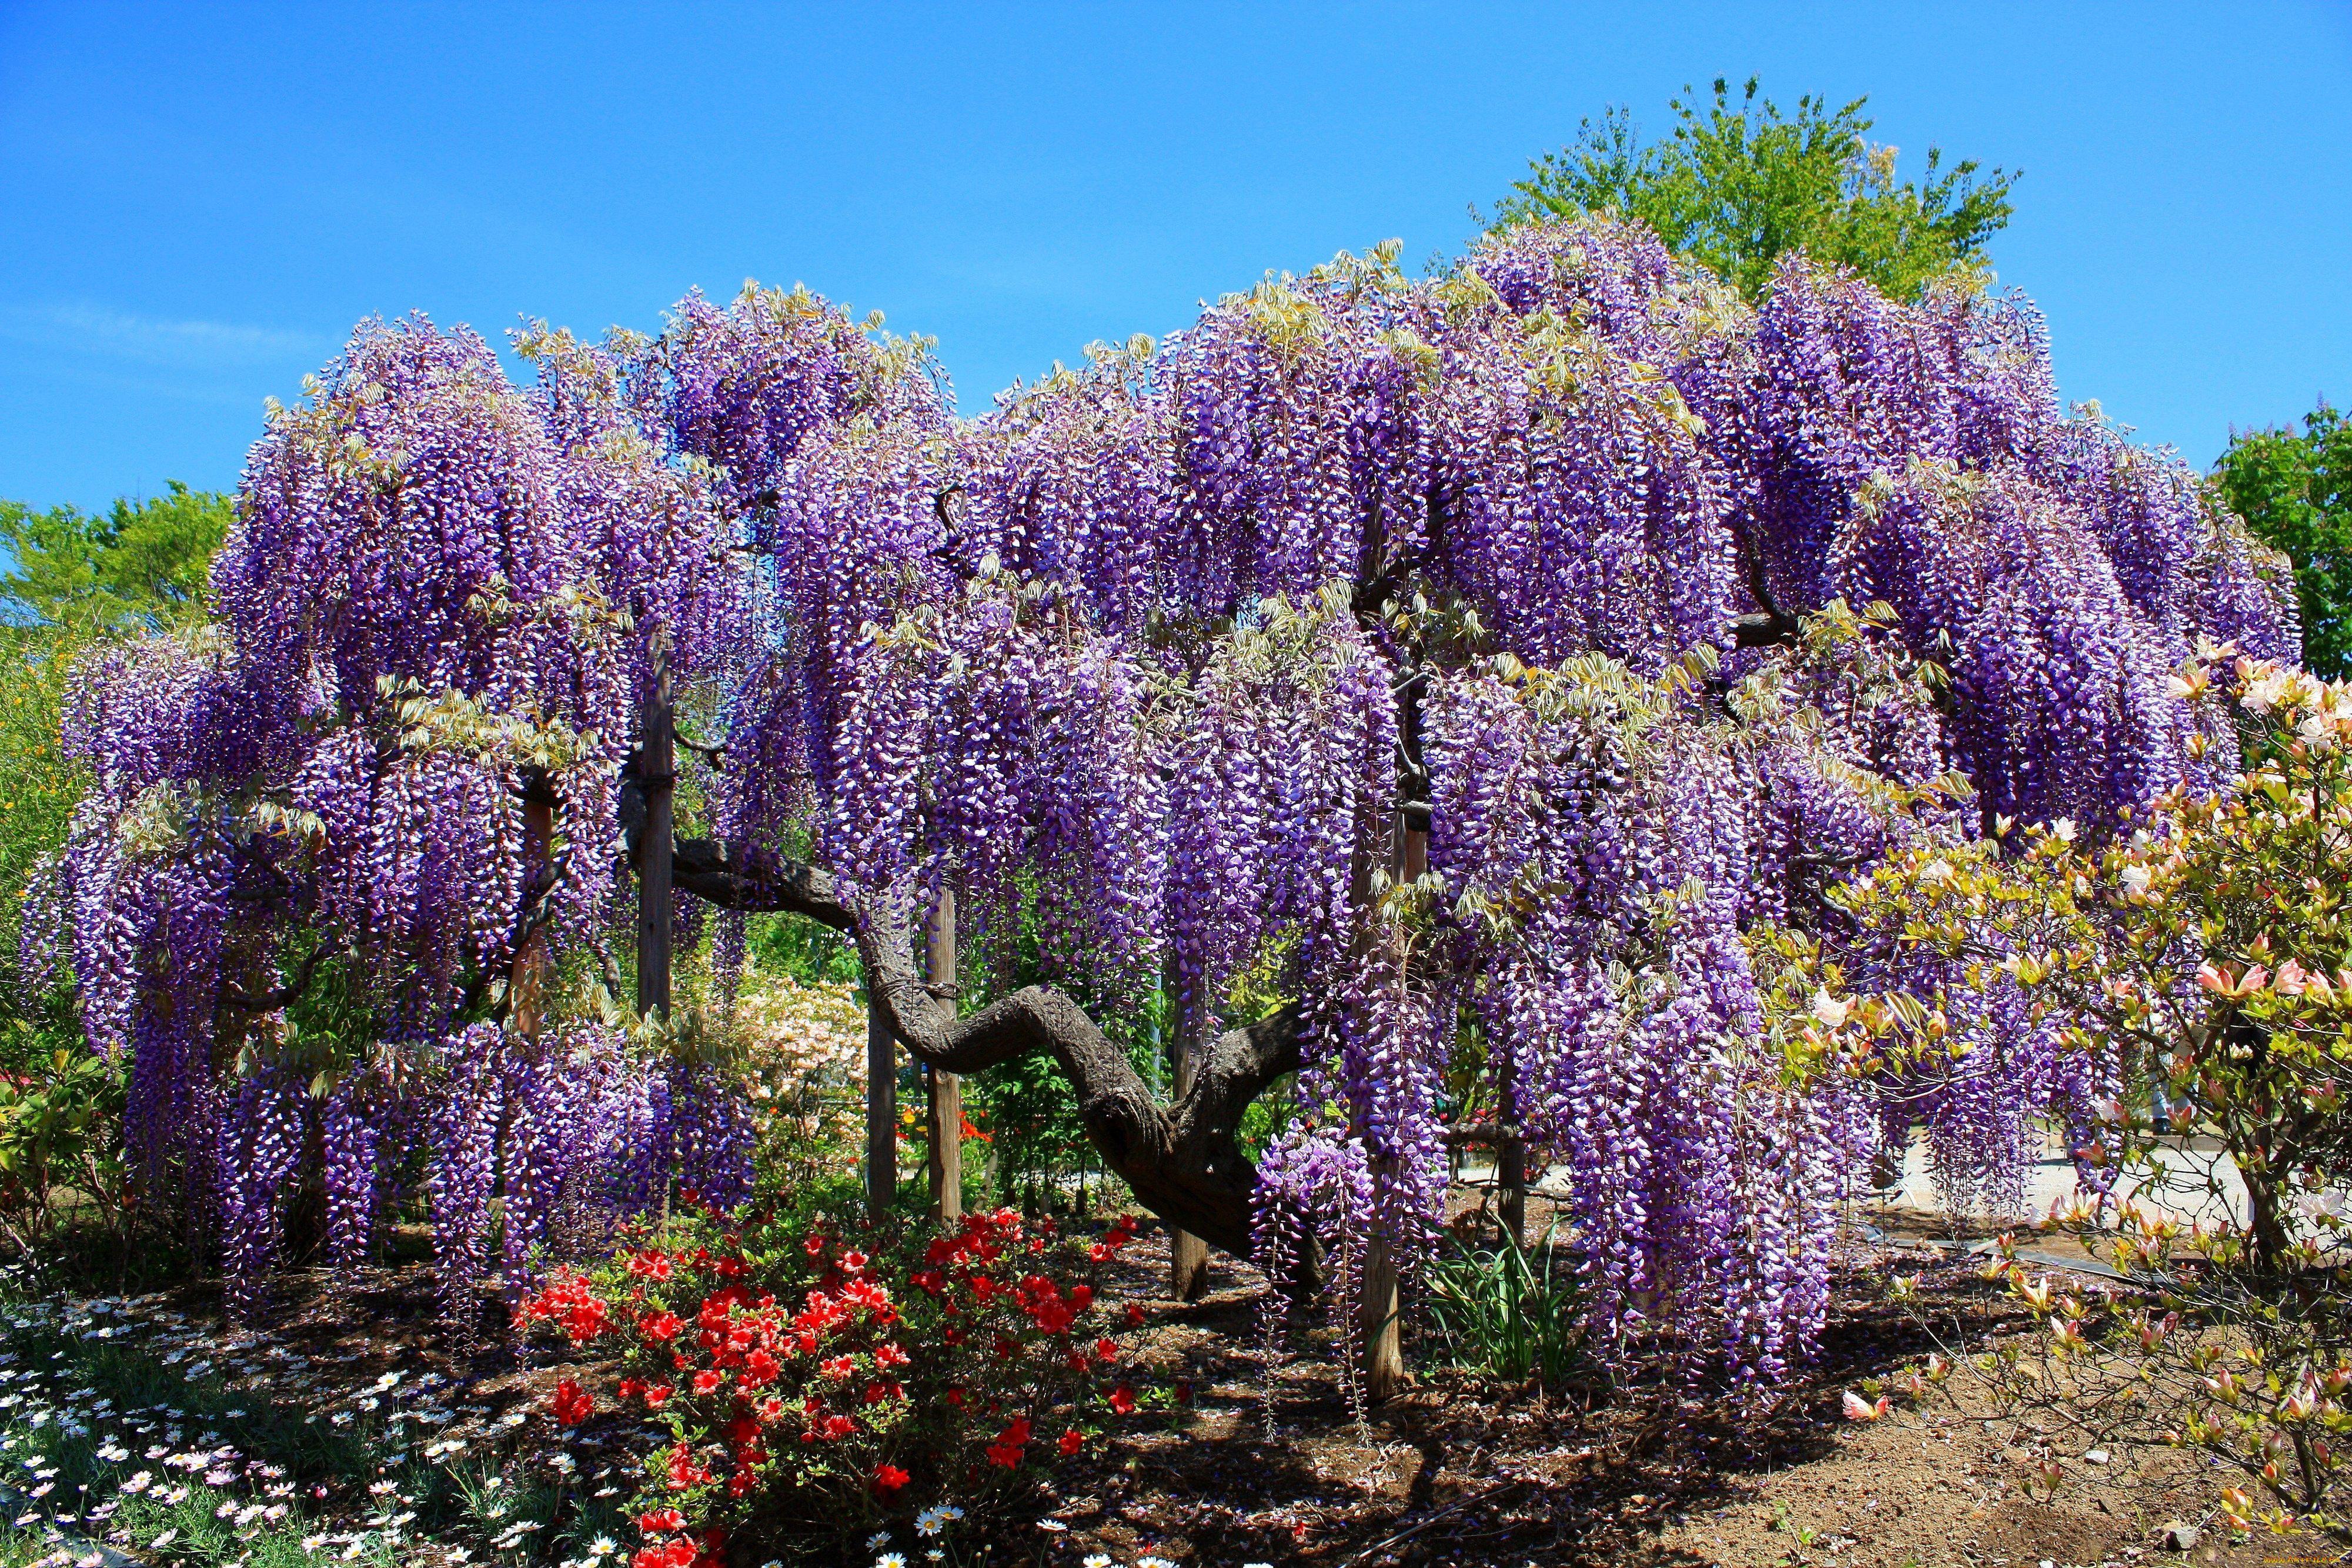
column 1736, row 188
column 141, row 566
column 2295, row 491
column 74, row 578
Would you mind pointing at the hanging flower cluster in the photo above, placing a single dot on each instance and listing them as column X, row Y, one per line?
column 1669, row 612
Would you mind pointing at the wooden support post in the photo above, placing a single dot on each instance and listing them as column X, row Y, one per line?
column 1187, row 1255
column 1511, row 1176
column 881, row 1113
column 1377, row 1323
column 527, row 976
column 946, row 1088
column 657, row 772
column 1379, row 1319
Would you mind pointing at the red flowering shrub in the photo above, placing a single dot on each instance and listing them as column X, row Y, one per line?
column 813, row 1387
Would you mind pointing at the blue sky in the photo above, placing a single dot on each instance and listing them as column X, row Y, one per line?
column 196, row 204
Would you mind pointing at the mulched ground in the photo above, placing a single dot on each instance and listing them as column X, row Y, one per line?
column 1449, row 1473
column 1453, row 1473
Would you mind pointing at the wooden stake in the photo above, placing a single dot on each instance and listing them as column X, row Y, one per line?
column 1187, row 1255
column 527, row 977
column 657, row 773
column 1378, row 1320
column 881, row 1112
column 946, row 1088
column 1511, row 1175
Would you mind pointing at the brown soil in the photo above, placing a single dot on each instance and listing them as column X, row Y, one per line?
column 1452, row 1472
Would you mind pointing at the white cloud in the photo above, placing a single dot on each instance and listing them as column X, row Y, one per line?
column 94, row 329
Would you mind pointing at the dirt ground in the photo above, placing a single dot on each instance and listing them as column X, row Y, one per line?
column 1455, row 1474
column 1449, row 1473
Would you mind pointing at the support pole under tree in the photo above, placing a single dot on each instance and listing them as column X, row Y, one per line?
column 527, row 978
column 1187, row 1255
column 1377, row 1317
column 946, row 1088
column 657, row 773
column 1511, row 1176
column 881, row 1112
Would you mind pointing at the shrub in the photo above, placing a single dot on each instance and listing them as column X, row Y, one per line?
column 816, row 1385
column 1510, row 1313
column 2196, row 961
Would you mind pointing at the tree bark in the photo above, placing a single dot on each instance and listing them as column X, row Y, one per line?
column 657, row 780
column 881, row 1112
column 1181, row 1161
column 946, row 1088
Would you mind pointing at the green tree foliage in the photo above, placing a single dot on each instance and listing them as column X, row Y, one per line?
column 1734, row 187
column 74, row 578
column 2295, row 491
column 139, row 567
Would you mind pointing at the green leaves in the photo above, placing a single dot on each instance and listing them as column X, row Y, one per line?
column 1737, row 189
column 141, row 567
column 2295, row 491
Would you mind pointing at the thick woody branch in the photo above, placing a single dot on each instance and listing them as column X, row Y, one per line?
column 1182, row 1160
column 704, row 868
column 707, row 870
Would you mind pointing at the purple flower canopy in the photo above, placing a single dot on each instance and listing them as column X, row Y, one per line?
column 1147, row 660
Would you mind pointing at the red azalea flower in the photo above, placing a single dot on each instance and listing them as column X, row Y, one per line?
column 1122, row 1399
column 1072, row 1441
column 1135, row 1314
column 839, row 1368
column 890, row 1354
column 660, row 1326
column 1105, row 1350
column 889, row 1478
column 571, row 1404
column 661, row 1521
column 657, row 1395
column 683, row 1471
column 707, row 1382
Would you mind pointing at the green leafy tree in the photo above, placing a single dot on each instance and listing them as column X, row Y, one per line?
column 74, row 578
column 2295, row 491
column 139, row 567
column 1735, row 187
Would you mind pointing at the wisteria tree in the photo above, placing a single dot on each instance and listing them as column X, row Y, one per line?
column 1499, row 665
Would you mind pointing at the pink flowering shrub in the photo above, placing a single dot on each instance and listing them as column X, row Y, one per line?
column 816, row 1385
